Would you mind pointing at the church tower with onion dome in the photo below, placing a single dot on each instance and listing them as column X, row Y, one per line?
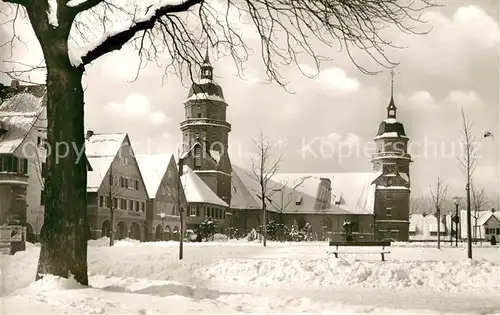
column 392, row 161
column 205, row 133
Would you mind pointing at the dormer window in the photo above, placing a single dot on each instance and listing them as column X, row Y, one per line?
column 298, row 202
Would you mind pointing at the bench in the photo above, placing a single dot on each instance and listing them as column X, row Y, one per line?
column 382, row 244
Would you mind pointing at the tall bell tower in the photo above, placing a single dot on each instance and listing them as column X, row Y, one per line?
column 392, row 195
column 205, row 133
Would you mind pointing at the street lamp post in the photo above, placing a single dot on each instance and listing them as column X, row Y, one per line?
column 456, row 202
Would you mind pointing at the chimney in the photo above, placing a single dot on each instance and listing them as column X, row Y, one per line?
column 181, row 166
column 90, row 133
column 493, row 210
column 14, row 84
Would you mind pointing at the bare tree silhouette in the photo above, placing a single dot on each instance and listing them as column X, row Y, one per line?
column 467, row 163
column 177, row 194
column 438, row 195
column 479, row 202
column 263, row 169
column 111, row 187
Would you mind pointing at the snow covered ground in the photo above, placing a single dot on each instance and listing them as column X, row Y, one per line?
column 244, row 277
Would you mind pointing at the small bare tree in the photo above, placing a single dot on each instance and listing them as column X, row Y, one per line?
column 111, row 188
column 176, row 193
column 285, row 201
column 479, row 202
column 438, row 195
column 467, row 163
column 263, row 169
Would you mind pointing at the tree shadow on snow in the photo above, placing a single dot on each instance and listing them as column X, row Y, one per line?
column 172, row 289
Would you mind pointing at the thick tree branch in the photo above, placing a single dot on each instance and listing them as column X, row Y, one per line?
column 86, row 5
column 116, row 41
column 21, row 2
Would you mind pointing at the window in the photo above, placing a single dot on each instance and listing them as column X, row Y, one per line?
column 115, row 203
column 136, row 184
column 101, row 201
column 137, row 206
column 42, row 198
column 197, row 156
column 193, row 211
column 199, row 115
column 131, row 205
column 143, row 206
column 388, row 211
column 123, row 204
column 298, row 202
column 389, row 169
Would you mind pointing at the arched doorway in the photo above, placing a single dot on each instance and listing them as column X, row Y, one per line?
column 159, row 233
column 121, row 230
column 105, row 229
column 167, row 233
column 175, row 234
column 30, row 236
column 135, row 231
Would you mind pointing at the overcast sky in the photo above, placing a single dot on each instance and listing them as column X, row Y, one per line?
column 456, row 64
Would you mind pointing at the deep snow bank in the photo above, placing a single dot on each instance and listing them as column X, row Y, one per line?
column 211, row 264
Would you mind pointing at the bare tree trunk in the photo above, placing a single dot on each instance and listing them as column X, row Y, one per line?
column 264, row 223
column 65, row 231
column 112, row 227
column 469, row 223
column 438, row 213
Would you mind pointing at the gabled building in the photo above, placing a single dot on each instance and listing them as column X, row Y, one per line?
column 325, row 201
column 22, row 153
column 115, row 181
column 166, row 196
column 485, row 226
column 203, row 202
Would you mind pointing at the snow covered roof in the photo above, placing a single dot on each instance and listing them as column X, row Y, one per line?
column 101, row 150
column 19, row 113
column 307, row 193
column 485, row 216
column 197, row 191
column 153, row 169
column 105, row 144
column 432, row 223
column 100, row 167
column 242, row 196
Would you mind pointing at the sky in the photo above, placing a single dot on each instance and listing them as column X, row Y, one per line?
column 328, row 123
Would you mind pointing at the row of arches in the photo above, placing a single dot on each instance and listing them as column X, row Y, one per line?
column 122, row 230
column 167, row 233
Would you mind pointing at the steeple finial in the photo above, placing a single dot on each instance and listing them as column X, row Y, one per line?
column 207, row 58
column 391, row 109
column 392, row 82
column 206, row 67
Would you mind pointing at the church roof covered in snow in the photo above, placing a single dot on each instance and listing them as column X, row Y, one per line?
column 342, row 193
column 197, row 191
column 153, row 169
column 18, row 114
column 350, row 192
column 101, row 150
column 390, row 128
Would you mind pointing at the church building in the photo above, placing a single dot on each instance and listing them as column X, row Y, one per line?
column 376, row 203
